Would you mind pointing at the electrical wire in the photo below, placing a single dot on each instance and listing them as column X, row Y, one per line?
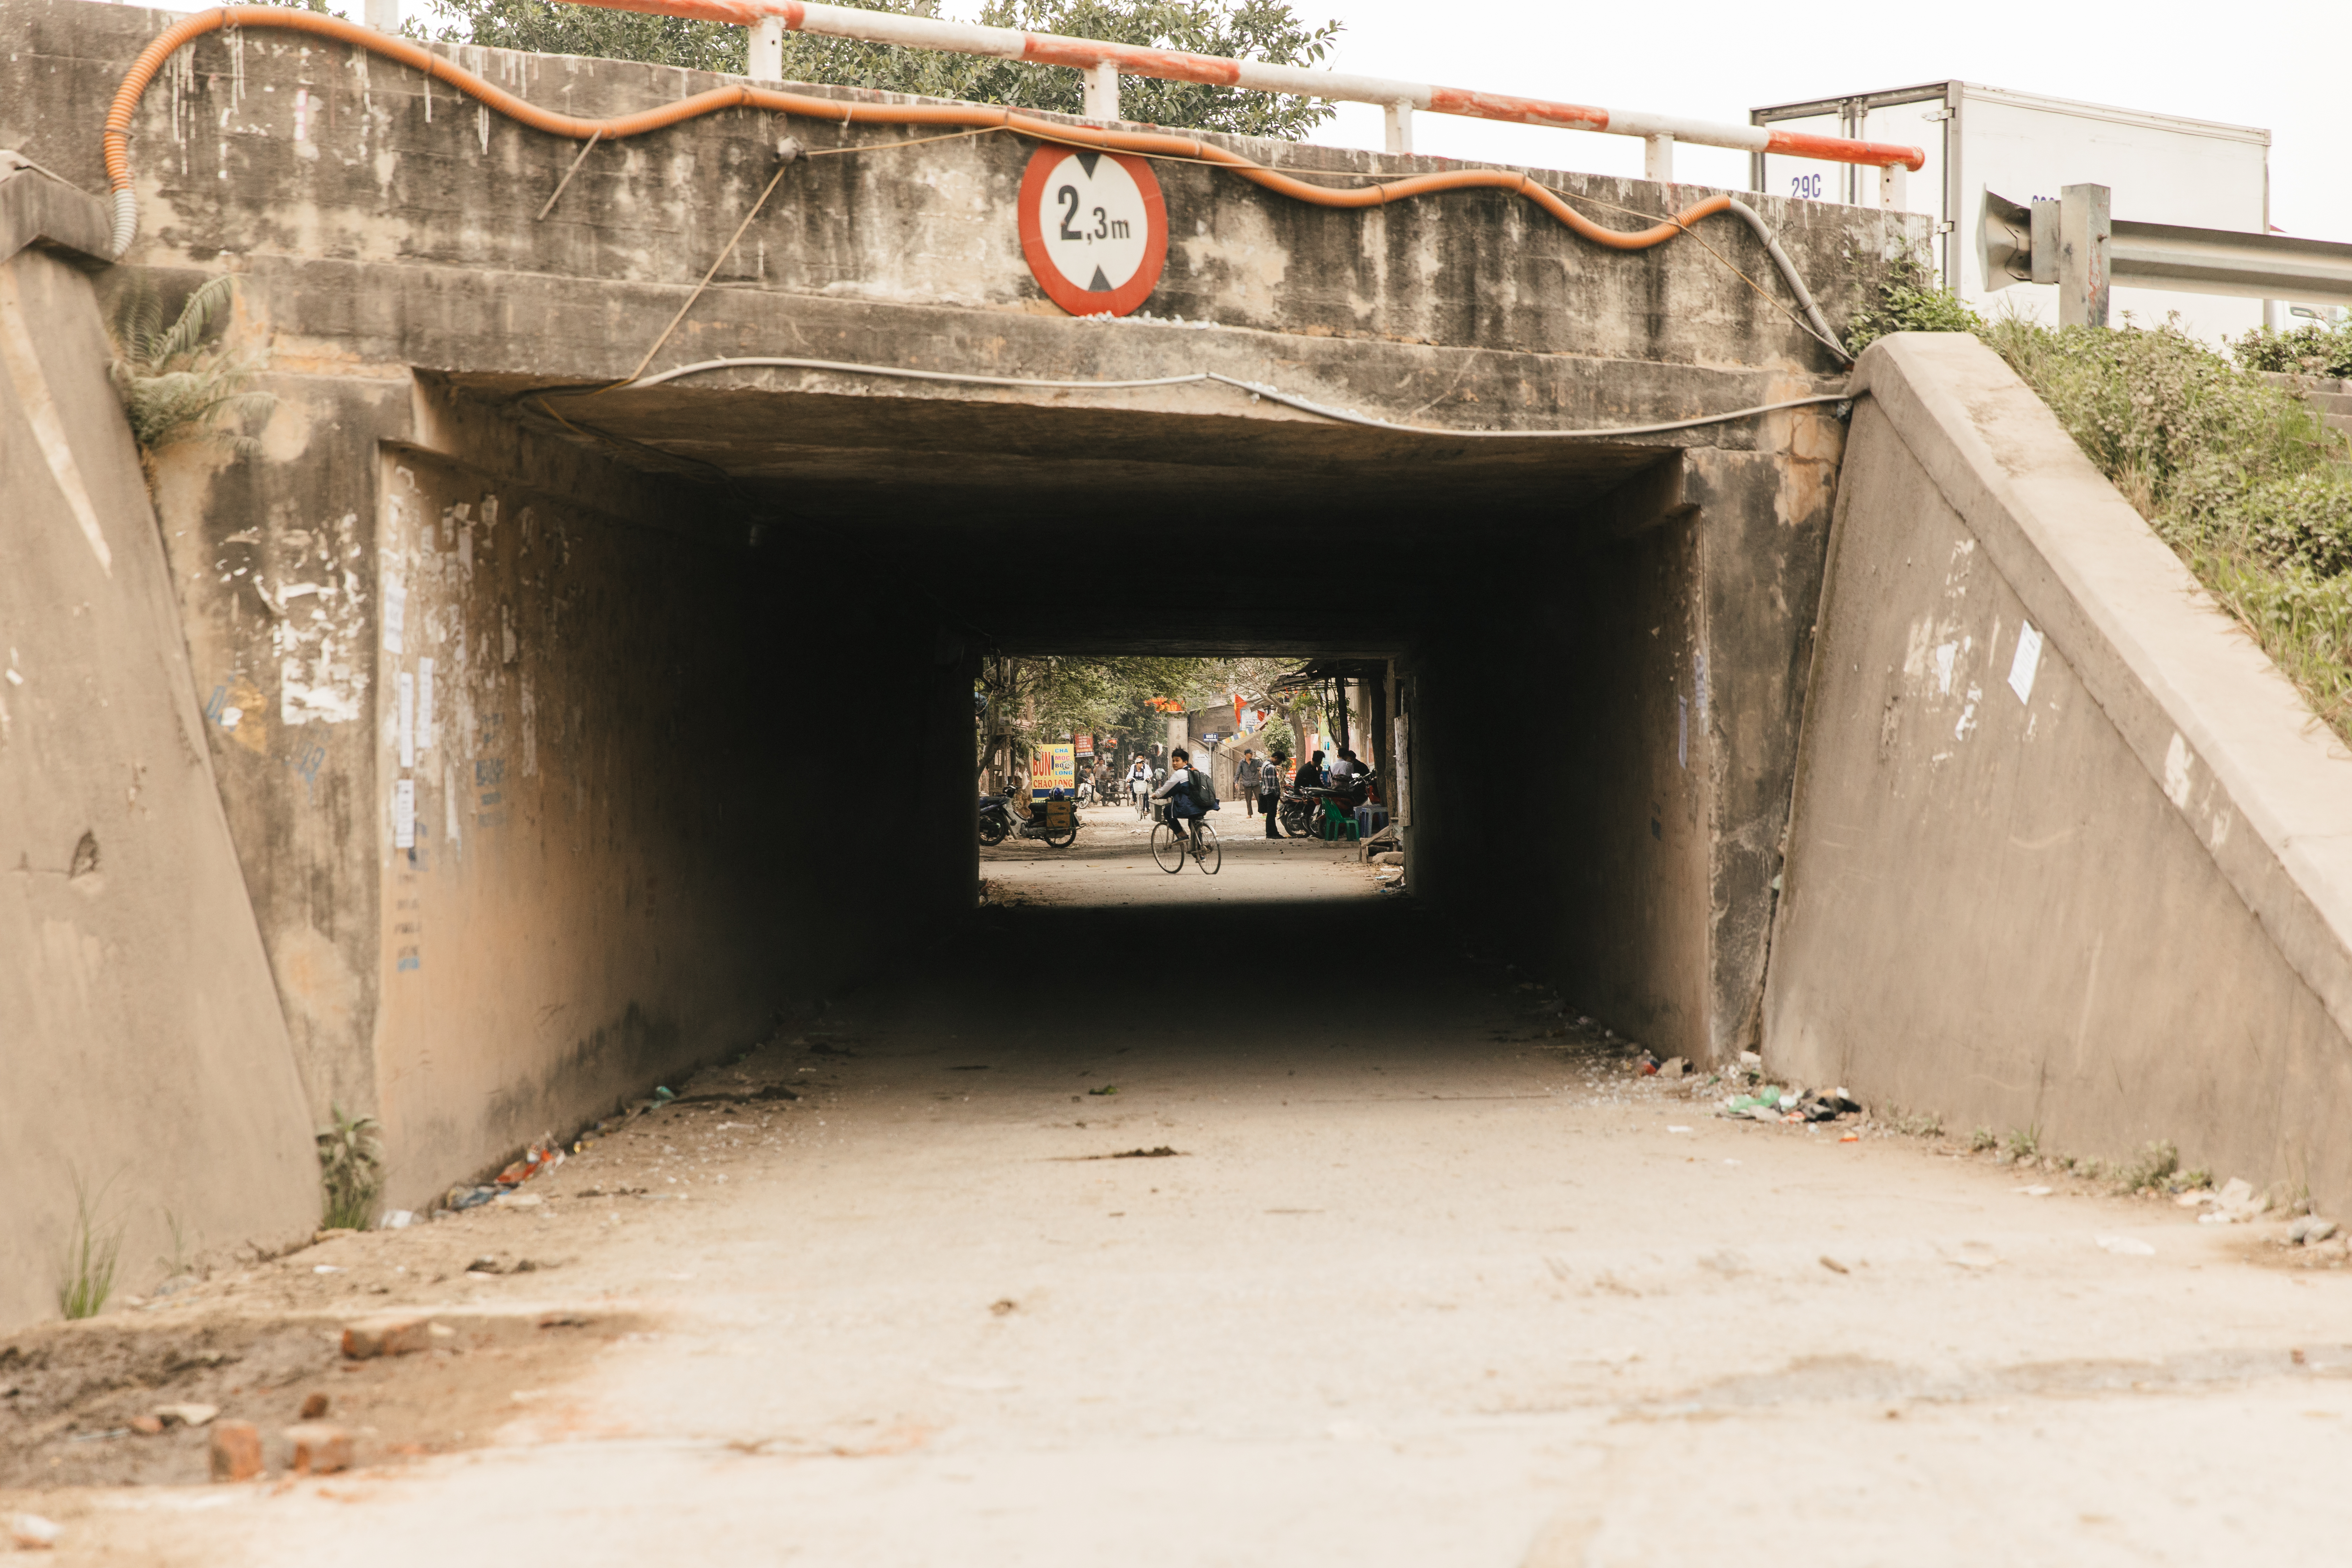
column 1256, row 389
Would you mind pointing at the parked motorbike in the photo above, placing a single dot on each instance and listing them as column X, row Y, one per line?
column 1302, row 810
column 998, row 821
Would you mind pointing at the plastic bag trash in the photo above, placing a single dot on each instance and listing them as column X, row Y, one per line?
column 31, row 1532
column 398, row 1219
column 541, row 1156
column 470, row 1197
column 2127, row 1246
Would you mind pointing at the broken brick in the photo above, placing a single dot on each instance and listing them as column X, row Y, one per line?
column 236, row 1450
column 320, row 1449
column 403, row 1334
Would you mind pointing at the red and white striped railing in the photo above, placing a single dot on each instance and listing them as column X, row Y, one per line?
column 1103, row 64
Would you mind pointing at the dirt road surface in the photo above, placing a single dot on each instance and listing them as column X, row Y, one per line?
column 1190, row 1221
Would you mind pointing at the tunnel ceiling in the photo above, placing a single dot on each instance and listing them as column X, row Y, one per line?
column 1080, row 529
column 846, row 454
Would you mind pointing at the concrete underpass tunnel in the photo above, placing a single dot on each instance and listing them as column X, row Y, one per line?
column 1567, row 629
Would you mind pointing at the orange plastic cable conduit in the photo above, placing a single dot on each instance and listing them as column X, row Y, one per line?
column 970, row 116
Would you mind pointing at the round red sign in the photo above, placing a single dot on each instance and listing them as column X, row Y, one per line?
column 1094, row 228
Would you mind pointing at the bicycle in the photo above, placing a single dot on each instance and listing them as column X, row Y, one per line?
column 1169, row 846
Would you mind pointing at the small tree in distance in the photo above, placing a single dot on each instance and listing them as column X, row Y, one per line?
column 1266, row 30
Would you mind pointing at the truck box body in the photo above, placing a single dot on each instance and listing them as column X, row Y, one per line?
column 2160, row 167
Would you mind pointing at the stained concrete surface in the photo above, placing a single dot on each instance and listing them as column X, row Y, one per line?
column 2099, row 888
column 144, row 1069
column 1424, row 1282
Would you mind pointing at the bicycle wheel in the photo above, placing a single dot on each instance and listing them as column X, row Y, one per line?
column 1209, row 856
column 1166, row 850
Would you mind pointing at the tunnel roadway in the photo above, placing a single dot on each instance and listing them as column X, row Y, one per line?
column 1423, row 1282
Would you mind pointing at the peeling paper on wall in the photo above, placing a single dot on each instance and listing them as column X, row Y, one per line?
column 423, row 704
column 2021, row 669
column 406, row 703
column 1681, row 731
column 1943, row 655
column 403, row 814
column 395, row 613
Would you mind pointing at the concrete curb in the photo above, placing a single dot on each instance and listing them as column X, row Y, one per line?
column 38, row 210
column 2264, row 786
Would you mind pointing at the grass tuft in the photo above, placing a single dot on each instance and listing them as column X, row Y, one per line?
column 90, row 1253
column 2156, row 1167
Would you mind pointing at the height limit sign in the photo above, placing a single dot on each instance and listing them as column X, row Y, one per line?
column 1094, row 228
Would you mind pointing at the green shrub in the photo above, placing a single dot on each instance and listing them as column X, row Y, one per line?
column 1900, row 294
column 2310, row 349
column 349, row 1170
column 2240, row 477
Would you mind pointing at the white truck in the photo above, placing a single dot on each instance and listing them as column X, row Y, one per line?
column 2021, row 146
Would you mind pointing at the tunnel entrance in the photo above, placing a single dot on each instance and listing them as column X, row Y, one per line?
column 1540, row 633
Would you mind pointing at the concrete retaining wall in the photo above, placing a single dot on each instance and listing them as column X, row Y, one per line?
column 141, row 1051
column 2106, row 894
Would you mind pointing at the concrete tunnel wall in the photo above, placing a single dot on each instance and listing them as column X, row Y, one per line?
column 629, row 848
column 144, row 1067
column 2105, row 896
column 1603, row 740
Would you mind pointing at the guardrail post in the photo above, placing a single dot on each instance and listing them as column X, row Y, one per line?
column 1398, row 117
column 1101, row 90
column 2041, row 238
column 1658, row 159
column 765, row 57
column 1893, row 188
column 2086, row 227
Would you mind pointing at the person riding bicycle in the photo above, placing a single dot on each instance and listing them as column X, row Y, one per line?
column 1184, row 810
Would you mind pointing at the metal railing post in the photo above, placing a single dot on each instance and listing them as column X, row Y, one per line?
column 1398, row 119
column 1658, row 159
column 1893, row 188
column 2085, row 229
column 1101, row 83
column 766, row 55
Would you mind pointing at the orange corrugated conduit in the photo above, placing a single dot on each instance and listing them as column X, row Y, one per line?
column 1154, row 145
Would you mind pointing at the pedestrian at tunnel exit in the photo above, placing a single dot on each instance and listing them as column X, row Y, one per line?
column 1269, row 791
column 1245, row 779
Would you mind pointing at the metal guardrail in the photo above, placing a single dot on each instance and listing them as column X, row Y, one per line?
column 1101, row 64
column 2075, row 243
